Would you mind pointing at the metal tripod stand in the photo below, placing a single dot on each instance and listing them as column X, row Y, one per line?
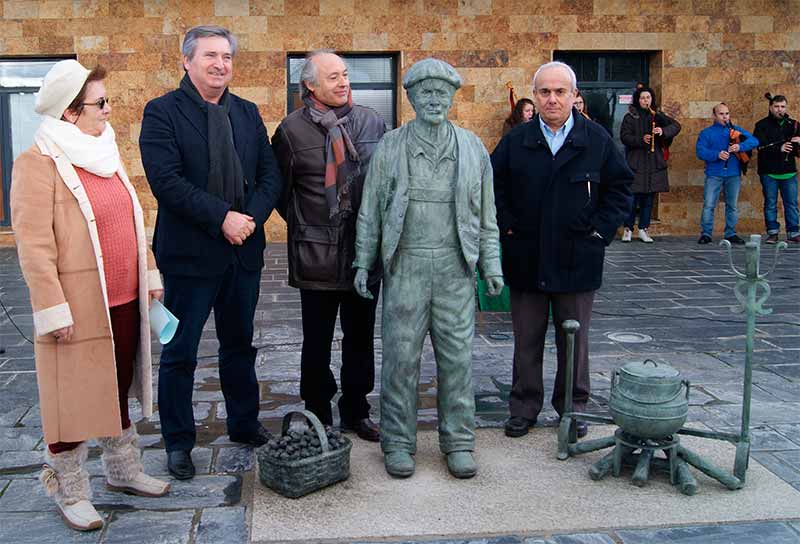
column 751, row 291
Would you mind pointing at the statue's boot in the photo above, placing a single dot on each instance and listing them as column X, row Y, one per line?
column 461, row 464
column 399, row 464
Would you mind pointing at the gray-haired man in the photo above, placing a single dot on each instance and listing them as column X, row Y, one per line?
column 323, row 149
column 562, row 189
column 210, row 166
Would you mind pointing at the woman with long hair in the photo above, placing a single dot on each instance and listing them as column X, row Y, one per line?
column 580, row 105
column 524, row 111
column 646, row 133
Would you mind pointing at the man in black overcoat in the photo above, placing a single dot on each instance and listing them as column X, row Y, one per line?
column 562, row 188
column 210, row 166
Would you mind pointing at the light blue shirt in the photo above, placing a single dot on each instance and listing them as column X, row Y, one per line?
column 556, row 139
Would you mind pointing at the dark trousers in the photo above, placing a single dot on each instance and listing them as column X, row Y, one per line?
column 233, row 296
column 125, row 331
column 317, row 383
column 529, row 315
column 644, row 202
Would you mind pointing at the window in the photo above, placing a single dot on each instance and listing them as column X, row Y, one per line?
column 373, row 79
column 19, row 80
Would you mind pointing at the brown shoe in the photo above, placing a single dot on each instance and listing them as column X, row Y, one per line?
column 794, row 239
column 772, row 239
column 365, row 429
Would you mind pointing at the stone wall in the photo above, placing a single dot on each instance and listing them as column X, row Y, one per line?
column 706, row 51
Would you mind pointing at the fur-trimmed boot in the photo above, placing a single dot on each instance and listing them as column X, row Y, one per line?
column 122, row 462
column 65, row 479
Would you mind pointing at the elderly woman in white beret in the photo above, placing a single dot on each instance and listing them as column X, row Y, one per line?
column 82, row 249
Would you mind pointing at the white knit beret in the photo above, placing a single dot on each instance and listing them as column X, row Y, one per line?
column 60, row 87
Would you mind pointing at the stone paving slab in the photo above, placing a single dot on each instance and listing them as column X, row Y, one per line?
column 771, row 533
column 520, row 488
column 674, row 275
column 27, row 495
column 40, row 528
column 222, row 525
column 154, row 461
column 144, row 527
column 790, row 431
column 761, row 413
column 20, row 464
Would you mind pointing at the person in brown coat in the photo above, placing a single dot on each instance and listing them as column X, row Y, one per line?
column 323, row 150
column 83, row 252
column 646, row 134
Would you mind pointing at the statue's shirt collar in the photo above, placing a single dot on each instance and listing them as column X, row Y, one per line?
column 444, row 149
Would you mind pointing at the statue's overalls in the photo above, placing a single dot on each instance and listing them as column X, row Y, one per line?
column 429, row 289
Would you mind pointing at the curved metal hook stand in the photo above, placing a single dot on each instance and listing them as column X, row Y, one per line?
column 755, row 238
column 727, row 245
column 751, row 303
column 741, row 293
column 780, row 246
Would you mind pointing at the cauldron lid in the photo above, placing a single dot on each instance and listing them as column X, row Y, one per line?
column 650, row 369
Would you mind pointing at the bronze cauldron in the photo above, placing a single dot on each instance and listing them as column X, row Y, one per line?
column 649, row 399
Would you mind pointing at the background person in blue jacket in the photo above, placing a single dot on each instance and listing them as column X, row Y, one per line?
column 723, row 172
column 562, row 188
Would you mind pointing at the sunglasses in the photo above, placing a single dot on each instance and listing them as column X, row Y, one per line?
column 100, row 103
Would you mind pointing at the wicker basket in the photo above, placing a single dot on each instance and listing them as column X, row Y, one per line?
column 300, row 477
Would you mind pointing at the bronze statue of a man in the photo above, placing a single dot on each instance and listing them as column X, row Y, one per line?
column 428, row 207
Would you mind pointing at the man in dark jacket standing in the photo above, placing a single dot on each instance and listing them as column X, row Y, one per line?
column 210, row 166
column 561, row 190
column 777, row 168
column 323, row 150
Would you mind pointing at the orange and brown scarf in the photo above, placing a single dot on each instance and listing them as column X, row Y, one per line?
column 339, row 169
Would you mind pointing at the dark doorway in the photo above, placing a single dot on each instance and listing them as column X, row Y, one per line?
column 607, row 82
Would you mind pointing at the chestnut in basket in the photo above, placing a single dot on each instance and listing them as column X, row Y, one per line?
column 296, row 444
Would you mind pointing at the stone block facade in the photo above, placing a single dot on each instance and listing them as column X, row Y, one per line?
column 704, row 51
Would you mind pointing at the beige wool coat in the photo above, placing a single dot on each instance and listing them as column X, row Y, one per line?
column 60, row 256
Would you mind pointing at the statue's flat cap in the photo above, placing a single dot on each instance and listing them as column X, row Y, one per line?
column 431, row 68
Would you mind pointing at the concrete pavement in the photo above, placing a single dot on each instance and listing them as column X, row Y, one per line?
column 674, row 296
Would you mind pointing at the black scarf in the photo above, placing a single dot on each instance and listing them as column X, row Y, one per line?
column 225, row 174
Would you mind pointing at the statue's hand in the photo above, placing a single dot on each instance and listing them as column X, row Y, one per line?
column 494, row 285
column 360, row 283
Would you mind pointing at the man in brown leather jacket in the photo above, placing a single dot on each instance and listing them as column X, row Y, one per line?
column 323, row 150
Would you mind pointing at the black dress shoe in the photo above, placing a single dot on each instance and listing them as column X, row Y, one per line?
column 179, row 464
column 581, row 429
column 735, row 240
column 365, row 429
column 517, row 426
column 258, row 438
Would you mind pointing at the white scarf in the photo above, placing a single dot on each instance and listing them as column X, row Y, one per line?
column 97, row 154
